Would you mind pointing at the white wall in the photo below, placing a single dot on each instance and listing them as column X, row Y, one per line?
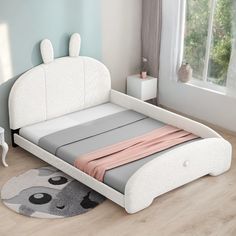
column 203, row 104
column 213, row 107
column 121, row 39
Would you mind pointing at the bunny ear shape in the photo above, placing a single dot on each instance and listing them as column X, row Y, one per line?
column 74, row 47
column 47, row 52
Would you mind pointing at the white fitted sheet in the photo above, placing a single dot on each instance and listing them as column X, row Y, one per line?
column 34, row 132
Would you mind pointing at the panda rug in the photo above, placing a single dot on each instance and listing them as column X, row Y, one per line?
column 48, row 193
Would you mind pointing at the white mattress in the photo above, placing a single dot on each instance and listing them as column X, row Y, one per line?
column 34, row 132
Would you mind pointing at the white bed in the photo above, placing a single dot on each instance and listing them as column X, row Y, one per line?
column 73, row 90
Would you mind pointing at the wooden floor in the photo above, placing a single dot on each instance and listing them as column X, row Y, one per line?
column 204, row 207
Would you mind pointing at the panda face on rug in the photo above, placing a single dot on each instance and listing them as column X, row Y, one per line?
column 48, row 193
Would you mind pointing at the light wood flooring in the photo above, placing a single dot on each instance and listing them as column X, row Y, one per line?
column 204, row 207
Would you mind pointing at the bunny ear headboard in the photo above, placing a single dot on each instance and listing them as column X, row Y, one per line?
column 58, row 86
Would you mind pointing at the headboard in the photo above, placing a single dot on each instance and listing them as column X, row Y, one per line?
column 58, row 86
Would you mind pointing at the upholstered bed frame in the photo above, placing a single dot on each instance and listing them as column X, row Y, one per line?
column 69, row 84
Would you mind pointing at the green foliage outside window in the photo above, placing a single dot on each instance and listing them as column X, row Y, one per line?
column 197, row 21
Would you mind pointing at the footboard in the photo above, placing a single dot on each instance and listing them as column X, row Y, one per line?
column 176, row 168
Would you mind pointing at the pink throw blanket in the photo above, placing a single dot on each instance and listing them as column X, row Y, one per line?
column 98, row 162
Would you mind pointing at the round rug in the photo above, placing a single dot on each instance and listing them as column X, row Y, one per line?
column 48, row 193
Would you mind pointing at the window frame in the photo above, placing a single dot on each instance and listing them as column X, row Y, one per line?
column 209, row 40
column 204, row 82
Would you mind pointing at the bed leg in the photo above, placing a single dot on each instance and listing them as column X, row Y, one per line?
column 219, row 172
column 223, row 164
column 12, row 137
column 135, row 205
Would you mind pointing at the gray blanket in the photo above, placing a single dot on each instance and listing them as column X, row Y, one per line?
column 73, row 142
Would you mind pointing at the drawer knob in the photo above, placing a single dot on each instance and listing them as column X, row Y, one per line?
column 186, row 163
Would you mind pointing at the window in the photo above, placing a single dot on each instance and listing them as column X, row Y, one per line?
column 208, row 38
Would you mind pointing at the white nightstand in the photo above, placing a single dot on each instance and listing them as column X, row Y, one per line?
column 4, row 147
column 143, row 89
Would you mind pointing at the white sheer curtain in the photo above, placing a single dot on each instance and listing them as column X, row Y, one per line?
column 172, row 37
